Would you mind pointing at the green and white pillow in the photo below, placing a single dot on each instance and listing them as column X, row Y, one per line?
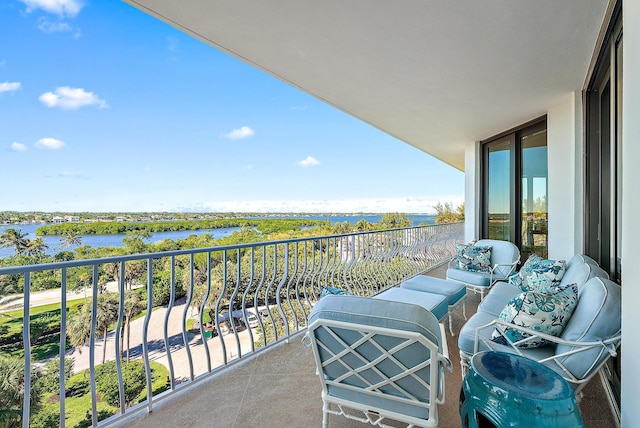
column 325, row 290
column 543, row 312
column 473, row 258
column 526, row 270
column 538, row 274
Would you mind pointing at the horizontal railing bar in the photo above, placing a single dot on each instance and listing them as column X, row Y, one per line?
column 269, row 291
column 156, row 255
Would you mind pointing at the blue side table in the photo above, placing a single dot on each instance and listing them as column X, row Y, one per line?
column 506, row 390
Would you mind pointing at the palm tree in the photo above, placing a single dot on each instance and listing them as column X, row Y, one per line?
column 79, row 324
column 107, row 314
column 12, row 391
column 36, row 247
column 79, row 327
column 14, row 238
column 133, row 306
column 70, row 240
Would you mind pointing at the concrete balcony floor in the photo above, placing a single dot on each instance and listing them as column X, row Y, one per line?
column 279, row 388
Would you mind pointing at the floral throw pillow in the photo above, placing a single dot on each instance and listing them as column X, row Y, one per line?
column 545, row 276
column 544, row 312
column 326, row 291
column 538, row 274
column 473, row 258
column 526, row 269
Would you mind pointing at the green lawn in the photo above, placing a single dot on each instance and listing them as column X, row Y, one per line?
column 71, row 304
column 45, row 330
column 79, row 407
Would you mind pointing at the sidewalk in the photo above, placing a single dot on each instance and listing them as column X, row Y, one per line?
column 157, row 349
column 47, row 297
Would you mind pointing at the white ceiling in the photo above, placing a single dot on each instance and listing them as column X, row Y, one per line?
column 434, row 74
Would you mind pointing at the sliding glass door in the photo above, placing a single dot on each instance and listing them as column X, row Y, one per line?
column 603, row 178
column 515, row 188
column 499, row 189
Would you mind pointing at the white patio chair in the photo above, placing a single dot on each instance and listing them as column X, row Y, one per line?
column 378, row 360
column 505, row 257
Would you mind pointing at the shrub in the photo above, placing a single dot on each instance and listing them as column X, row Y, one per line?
column 77, row 387
column 87, row 422
column 133, row 377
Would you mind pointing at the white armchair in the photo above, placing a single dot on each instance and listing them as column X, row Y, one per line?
column 505, row 257
column 378, row 360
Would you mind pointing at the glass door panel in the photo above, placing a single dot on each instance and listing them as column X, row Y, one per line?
column 534, row 194
column 498, row 192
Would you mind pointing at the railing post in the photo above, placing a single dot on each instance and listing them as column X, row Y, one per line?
column 26, row 340
column 361, row 263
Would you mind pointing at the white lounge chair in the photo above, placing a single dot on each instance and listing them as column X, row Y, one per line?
column 378, row 360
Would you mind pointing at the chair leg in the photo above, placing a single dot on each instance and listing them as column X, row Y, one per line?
column 464, row 364
column 464, row 309
column 325, row 416
column 451, row 324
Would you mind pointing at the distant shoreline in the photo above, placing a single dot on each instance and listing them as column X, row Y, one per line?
column 8, row 218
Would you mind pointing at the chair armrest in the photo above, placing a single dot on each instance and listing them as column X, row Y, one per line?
column 508, row 268
column 445, row 346
column 610, row 345
column 451, row 263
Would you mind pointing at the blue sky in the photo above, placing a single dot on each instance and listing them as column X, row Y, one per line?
column 103, row 108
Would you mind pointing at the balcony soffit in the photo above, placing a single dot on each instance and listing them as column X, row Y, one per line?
column 435, row 74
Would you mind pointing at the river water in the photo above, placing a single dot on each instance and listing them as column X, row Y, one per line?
column 97, row 241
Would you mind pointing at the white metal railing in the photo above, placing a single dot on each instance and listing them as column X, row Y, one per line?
column 241, row 300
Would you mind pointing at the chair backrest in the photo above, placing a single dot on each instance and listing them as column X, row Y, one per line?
column 596, row 270
column 577, row 273
column 597, row 317
column 378, row 355
column 502, row 253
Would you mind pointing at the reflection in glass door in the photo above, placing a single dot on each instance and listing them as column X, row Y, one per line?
column 499, row 195
column 534, row 193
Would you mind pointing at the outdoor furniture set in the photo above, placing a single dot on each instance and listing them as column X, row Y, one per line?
column 384, row 357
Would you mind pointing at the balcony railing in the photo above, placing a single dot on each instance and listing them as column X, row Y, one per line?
column 208, row 308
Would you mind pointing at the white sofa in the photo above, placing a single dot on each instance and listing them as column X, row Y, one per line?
column 590, row 337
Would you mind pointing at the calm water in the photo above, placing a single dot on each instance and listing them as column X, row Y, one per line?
column 116, row 240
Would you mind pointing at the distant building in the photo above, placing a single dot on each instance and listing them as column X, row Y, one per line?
column 72, row 218
column 57, row 219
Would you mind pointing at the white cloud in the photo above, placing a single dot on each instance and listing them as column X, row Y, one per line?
column 18, row 147
column 68, row 8
column 378, row 205
column 71, row 174
column 53, row 27
column 308, row 161
column 240, row 133
column 10, row 86
column 248, row 167
column 71, row 98
column 49, row 143
column 172, row 44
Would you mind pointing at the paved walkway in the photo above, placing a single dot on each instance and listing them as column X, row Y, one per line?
column 47, row 297
column 155, row 337
column 178, row 351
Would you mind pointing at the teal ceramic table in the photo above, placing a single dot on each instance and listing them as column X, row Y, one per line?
column 506, row 390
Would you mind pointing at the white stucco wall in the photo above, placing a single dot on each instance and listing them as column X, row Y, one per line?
column 471, row 203
column 564, row 141
column 630, row 209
